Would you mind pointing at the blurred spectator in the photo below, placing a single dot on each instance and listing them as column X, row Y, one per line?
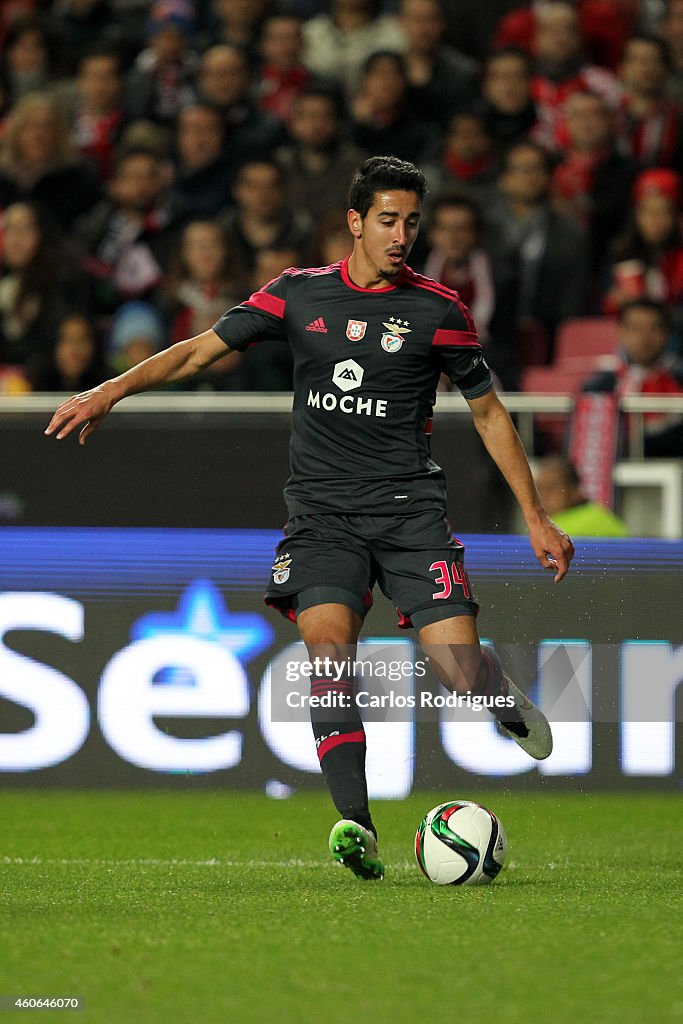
column 593, row 182
column 77, row 24
column 458, row 259
column 338, row 44
column 160, row 82
column 383, row 117
column 604, row 24
column 136, row 334
column 262, row 217
column 268, row 366
column 124, row 240
column 38, row 162
column 559, row 487
column 270, row 263
column 10, row 11
column 201, row 187
column 223, row 82
column 148, row 135
column 27, row 62
column 540, row 254
column 75, row 363
column 442, row 80
column 98, row 115
column 36, row 287
column 648, row 255
column 646, row 368
column 671, row 30
column 318, row 162
column 200, row 284
column 508, row 105
column 468, row 160
column 332, row 242
column 282, row 75
column 561, row 70
column 471, row 24
column 238, row 23
column 649, row 123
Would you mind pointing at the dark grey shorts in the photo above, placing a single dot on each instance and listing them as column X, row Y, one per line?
column 415, row 559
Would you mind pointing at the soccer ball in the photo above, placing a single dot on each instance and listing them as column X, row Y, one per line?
column 460, row 843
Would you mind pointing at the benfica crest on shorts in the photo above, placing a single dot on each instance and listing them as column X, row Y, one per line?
column 355, row 329
column 281, row 568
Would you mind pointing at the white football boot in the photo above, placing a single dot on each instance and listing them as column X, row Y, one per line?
column 525, row 723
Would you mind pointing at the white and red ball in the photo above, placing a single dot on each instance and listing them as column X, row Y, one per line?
column 460, row 843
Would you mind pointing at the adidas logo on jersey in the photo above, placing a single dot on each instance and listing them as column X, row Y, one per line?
column 317, row 325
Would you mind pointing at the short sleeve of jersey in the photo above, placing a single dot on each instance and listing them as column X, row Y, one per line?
column 458, row 352
column 258, row 318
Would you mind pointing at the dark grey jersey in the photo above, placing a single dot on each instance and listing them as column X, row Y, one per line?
column 366, row 366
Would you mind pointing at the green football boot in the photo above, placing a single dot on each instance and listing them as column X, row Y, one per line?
column 355, row 847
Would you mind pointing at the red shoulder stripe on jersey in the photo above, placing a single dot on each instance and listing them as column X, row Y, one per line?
column 420, row 281
column 468, row 339
column 292, row 271
column 267, row 303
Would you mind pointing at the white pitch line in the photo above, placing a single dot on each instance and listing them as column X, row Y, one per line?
column 173, row 863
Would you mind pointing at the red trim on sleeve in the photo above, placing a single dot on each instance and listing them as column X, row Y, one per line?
column 467, row 339
column 267, row 302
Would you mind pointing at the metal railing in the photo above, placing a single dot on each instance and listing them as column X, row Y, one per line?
column 523, row 406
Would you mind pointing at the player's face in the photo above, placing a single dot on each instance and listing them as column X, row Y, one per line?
column 385, row 236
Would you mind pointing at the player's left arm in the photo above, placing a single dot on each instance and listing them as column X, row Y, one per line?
column 551, row 545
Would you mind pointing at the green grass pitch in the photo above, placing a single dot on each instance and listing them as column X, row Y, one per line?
column 221, row 907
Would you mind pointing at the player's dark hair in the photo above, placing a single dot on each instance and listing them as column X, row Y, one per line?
column 383, row 173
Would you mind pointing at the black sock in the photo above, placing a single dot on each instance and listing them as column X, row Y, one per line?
column 340, row 742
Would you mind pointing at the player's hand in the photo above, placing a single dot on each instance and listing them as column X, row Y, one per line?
column 552, row 547
column 86, row 410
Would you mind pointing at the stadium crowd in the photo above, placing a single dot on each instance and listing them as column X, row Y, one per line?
column 158, row 162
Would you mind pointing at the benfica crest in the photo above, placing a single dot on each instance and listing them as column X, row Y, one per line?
column 392, row 339
column 281, row 568
column 355, row 330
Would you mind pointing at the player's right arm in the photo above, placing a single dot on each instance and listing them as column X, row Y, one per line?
column 89, row 409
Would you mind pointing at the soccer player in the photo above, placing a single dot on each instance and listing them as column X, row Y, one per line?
column 370, row 339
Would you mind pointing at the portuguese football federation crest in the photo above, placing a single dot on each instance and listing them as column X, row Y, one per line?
column 355, row 329
column 281, row 568
column 392, row 339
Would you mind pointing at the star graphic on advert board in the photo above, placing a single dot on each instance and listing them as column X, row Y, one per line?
column 203, row 613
